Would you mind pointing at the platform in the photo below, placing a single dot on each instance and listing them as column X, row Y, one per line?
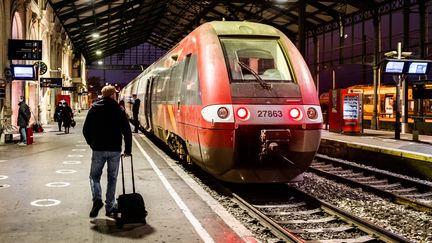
column 380, row 149
column 45, row 196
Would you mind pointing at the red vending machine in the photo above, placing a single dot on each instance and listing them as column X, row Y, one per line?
column 345, row 111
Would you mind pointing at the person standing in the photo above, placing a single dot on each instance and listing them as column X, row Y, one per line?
column 58, row 114
column 23, row 120
column 135, row 111
column 103, row 129
column 67, row 116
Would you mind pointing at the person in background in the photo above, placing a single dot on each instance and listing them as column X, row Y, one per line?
column 135, row 111
column 67, row 116
column 103, row 129
column 23, row 120
column 58, row 113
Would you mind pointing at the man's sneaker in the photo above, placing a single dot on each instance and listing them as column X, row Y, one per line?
column 22, row 144
column 97, row 205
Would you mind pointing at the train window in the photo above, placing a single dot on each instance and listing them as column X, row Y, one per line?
column 190, row 90
column 264, row 56
column 175, row 82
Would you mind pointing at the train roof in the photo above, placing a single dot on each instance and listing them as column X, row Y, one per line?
column 225, row 28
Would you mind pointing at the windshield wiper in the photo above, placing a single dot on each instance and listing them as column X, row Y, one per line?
column 263, row 84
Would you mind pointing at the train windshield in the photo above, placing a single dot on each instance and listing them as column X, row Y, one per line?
column 247, row 58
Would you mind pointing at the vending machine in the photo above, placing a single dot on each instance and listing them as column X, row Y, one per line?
column 345, row 111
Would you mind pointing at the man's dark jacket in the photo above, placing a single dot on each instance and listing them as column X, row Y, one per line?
column 104, row 126
column 23, row 114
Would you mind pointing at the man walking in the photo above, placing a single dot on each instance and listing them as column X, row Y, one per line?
column 23, row 120
column 104, row 127
column 135, row 111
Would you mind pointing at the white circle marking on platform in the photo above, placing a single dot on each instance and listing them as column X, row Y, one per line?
column 2, row 160
column 80, row 141
column 79, row 150
column 2, row 177
column 45, row 202
column 4, row 186
column 75, row 155
column 57, row 184
column 66, row 171
column 81, row 145
column 71, row 162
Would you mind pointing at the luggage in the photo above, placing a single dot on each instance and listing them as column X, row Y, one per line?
column 29, row 135
column 131, row 206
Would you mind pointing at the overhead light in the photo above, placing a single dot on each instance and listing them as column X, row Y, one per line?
column 98, row 52
column 100, row 62
column 95, row 35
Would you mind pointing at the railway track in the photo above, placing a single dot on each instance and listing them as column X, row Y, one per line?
column 300, row 217
column 401, row 190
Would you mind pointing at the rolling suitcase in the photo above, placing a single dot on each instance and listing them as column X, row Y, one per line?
column 131, row 206
column 29, row 132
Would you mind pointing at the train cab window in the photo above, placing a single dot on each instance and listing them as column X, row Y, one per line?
column 263, row 57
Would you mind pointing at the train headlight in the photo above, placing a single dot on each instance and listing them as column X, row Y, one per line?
column 243, row 113
column 295, row 114
column 223, row 112
column 312, row 113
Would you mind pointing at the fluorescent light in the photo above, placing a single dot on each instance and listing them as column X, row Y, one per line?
column 95, row 35
column 98, row 52
column 100, row 62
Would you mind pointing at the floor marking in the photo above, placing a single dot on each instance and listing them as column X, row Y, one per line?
column 2, row 160
column 79, row 150
column 80, row 141
column 228, row 218
column 57, row 184
column 66, row 171
column 75, row 155
column 195, row 223
column 4, row 186
column 71, row 162
column 81, row 145
column 45, row 202
column 2, row 177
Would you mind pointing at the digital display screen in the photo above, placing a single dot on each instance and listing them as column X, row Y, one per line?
column 23, row 72
column 394, row 67
column 418, row 68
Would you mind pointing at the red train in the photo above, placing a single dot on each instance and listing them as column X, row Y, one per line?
column 235, row 98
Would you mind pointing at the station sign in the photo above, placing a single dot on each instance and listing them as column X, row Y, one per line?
column 25, row 49
column 71, row 89
column 51, row 82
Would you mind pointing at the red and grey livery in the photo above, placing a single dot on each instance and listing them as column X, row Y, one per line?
column 235, row 98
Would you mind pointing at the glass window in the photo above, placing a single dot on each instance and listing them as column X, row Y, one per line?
column 264, row 57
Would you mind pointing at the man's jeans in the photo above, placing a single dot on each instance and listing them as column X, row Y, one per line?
column 98, row 161
column 23, row 134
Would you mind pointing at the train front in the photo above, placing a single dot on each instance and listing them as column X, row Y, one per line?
column 274, row 108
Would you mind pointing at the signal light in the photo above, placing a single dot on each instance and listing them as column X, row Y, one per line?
column 223, row 112
column 312, row 113
column 295, row 114
column 243, row 113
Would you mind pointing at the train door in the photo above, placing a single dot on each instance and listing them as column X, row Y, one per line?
column 147, row 105
column 180, row 99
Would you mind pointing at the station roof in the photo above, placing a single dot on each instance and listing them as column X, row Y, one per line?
column 123, row 24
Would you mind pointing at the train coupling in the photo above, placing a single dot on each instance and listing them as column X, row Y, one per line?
column 272, row 140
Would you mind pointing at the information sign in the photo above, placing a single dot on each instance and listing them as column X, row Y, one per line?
column 25, row 50
column 51, row 82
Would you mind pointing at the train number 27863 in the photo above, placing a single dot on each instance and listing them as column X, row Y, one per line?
column 270, row 113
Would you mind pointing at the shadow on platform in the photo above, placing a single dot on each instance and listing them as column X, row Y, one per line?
column 133, row 231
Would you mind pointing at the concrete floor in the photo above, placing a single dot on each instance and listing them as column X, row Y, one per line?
column 33, row 210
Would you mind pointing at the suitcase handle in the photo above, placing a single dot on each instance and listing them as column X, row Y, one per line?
column 133, row 180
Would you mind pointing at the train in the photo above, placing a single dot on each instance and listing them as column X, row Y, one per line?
column 235, row 98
